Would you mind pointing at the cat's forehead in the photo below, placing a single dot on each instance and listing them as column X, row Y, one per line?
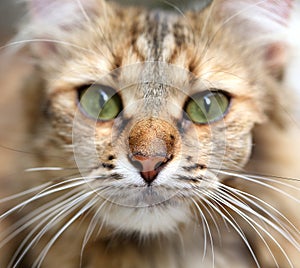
column 159, row 35
column 154, row 56
column 144, row 36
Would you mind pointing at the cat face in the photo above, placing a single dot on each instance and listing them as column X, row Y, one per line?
column 153, row 106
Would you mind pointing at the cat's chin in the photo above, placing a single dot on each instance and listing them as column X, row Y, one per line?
column 148, row 220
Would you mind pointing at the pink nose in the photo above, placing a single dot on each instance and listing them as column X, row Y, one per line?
column 149, row 166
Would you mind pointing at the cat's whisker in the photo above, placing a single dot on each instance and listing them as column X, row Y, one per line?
column 35, row 169
column 202, row 194
column 269, row 177
column 70, row 183
column 284, row 222
column 206, row 229
column 26, row 152
column 208, row 19
column 44, row 40
column 48, row 215
column 44, row 169
column 74, row 182
column 86, row 207
column 251, row 223
column 82, row 10
column 55, row 189
column 27, row 192
column 92, row 226
column 218, row 205
column 175, row 7
column 276, row 224
column 40, row 215
column 236, row 206
column 212, row 217
column 230, row 220
column 70, row 207
column 248, row 178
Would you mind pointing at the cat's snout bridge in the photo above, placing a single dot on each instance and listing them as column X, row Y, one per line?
column 153, row 143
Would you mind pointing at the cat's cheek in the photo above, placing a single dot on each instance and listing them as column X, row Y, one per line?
column 238, row 149
column 245, row 156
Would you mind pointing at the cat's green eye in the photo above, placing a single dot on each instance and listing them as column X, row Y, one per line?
column 207, row 107
column 100, row 102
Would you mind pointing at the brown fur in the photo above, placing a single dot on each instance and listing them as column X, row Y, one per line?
column 179, row 57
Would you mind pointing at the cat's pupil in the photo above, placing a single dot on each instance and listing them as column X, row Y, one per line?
column 207, row 103
column 103, row 98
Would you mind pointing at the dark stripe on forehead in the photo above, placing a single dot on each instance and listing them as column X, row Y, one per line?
column 156, row 39
column 158, row 27
column 183, row 34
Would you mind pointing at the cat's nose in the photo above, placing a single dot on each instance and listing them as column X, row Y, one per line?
column 149, row 166
column 153, row 143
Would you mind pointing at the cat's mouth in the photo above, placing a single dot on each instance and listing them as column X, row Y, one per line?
column 130, row 190
column 140, row 196
column 152, row 197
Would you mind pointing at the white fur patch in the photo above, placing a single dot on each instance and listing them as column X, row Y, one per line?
column 148, row 220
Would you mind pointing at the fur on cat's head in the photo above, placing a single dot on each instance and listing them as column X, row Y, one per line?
column 152, row 157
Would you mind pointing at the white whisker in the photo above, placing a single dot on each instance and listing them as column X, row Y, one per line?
column 92, row 226
column 34, row 216
column 43, row 254
column 202, row 200
column 43, row 169
column 265, row 177
column 39, row 40
column 58, row 214
column 260, row 183
column 84, row 13
column 52, row 212
column 247, row 197
column 229, row 202
column 45, row 192
column 29, row 191
column 230, row 220
column 273, row 225
column 275, row 181
column 208, row 230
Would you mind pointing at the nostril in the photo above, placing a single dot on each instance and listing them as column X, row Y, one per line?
column 159, row 165
column 138, row 165
column 149, row 166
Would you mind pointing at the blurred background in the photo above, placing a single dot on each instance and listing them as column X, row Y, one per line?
column 12, row 12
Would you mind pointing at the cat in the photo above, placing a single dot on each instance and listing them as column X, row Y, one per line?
column 153, row 138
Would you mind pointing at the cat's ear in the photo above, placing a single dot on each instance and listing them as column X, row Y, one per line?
column 60, row 13
column 261, row 23
column 52, row 21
